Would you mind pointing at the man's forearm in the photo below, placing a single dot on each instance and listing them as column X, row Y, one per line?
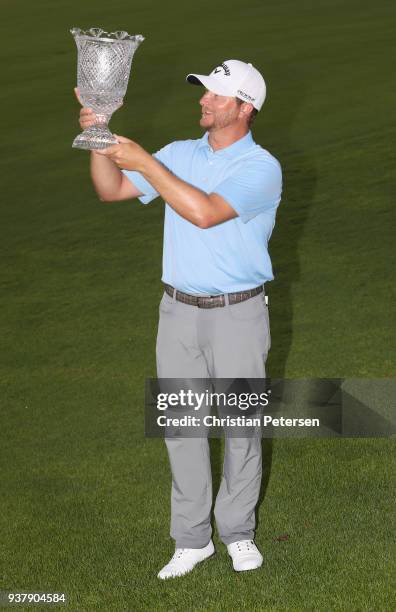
column 106, row 176
column 188, row 201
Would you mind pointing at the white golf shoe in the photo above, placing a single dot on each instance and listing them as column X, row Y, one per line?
column 184, row 560
column 245, row 555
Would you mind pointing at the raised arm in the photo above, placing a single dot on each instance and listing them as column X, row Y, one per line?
column 202, row 209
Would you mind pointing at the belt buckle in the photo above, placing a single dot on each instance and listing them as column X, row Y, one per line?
column 210, row 300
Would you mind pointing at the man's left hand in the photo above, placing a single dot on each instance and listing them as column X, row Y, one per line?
column 127, row 155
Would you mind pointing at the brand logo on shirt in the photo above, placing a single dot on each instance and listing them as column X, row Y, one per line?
column 223, row 67
column 245, row 95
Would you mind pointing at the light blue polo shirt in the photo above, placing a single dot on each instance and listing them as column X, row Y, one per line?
column 231, row 256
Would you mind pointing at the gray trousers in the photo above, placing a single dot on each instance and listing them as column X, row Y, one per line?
column 228, row 342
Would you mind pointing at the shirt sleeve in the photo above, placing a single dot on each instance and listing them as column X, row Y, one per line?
column 254, row 188
column 149, row 193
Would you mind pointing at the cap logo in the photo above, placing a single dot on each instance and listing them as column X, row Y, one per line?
column 245, row 95
column 223, row 67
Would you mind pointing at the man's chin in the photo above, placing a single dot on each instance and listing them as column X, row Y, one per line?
column 205, row 122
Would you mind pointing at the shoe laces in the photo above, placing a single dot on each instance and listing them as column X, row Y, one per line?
column 179, row 553
column 246, row 546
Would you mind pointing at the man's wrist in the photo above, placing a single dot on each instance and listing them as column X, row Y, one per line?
column 147, row 165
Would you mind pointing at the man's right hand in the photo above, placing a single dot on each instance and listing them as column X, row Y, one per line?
column 87, row 116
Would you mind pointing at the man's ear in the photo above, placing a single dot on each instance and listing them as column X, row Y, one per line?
column 246, row 108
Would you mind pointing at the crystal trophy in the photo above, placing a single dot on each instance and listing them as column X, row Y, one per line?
column 103, row 68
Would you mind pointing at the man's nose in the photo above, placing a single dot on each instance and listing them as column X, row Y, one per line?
column 204, row 98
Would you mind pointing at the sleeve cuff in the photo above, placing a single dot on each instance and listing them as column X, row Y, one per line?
column 243, row 215
column 142, row 184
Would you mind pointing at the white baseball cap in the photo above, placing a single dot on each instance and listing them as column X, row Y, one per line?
column 234, row 78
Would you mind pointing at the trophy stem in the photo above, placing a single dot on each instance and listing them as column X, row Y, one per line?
column 97, row 136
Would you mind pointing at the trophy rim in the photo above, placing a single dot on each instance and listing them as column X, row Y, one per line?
column 111, row 40
column 86, row 35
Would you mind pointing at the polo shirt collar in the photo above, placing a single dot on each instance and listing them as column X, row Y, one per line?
column 233, row 150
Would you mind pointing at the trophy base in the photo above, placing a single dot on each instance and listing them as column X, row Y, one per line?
column 95, row 137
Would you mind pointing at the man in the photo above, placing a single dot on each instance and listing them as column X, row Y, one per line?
column 221, row 193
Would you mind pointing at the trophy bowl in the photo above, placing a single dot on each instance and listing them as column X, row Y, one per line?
column 103, row 68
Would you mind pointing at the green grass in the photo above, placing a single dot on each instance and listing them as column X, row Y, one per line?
column 85, row 497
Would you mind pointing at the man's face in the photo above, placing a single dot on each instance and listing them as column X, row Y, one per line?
column 218, row 111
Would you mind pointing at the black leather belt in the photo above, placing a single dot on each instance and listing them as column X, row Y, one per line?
column 212, row 301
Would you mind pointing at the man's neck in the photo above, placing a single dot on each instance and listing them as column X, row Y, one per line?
column 224, row 137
